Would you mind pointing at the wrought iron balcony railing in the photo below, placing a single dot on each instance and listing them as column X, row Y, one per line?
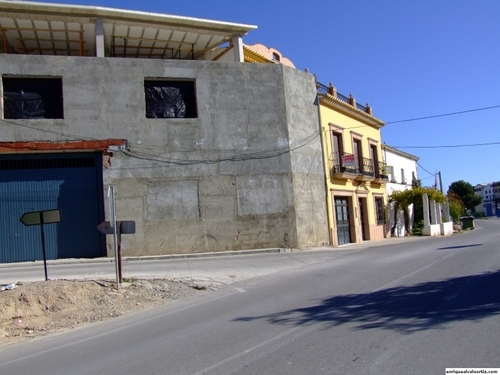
column 349, row 166
column 345, row 163
column 381, row 173
column 368, row 167
column 331, row 90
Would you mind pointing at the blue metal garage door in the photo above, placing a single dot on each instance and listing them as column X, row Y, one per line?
column 69, row 182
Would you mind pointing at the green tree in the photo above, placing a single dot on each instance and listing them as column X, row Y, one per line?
column 457, row 207
column 403, row 199
column 465, row 192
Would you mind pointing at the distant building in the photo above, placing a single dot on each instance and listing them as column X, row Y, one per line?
column 496, row 192
column 487, row 192
column 259, row 53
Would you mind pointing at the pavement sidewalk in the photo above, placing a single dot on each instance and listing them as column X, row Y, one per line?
column 111, row 259
column 203, row 268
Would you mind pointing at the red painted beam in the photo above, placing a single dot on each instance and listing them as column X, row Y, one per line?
column 32, row 146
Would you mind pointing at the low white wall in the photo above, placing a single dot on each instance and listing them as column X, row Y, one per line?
column 433, row 230
column 447, row 228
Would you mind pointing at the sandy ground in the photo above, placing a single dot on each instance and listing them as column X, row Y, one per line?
column 40, row 308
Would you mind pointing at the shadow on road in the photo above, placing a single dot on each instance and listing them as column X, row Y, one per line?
column 459, row 247
column 406, row 308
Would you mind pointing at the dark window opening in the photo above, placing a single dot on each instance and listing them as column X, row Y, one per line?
column 374, row 159
column 337, row 148
column 170, row 99
column 276, row 57
column 358, row 154
column 32, row 98
column 380, row 210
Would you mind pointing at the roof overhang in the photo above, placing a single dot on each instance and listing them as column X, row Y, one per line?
column 396, row 151
column 59, row 29
column 348, row 110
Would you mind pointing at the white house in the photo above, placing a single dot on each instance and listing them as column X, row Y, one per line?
column 402, row 170
column 486, row 191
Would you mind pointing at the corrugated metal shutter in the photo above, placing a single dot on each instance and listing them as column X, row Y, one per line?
column 69, row 182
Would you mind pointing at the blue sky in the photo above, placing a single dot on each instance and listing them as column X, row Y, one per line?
column 407, row 59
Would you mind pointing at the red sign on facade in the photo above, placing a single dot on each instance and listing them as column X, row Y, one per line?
column 348, row 160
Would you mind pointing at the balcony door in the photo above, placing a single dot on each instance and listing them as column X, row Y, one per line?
column 356, row 147
column 374, row 160
column 363, row 218
column 337, row 150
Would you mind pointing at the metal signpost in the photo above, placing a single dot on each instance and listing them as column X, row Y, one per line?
column 116, row 228
column 112, row 213
column 41, row 218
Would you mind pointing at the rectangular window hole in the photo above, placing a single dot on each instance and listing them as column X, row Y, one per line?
column 170, row 99
column 32, row 98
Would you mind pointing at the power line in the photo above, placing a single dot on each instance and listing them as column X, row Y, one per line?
column 423, row 179
column 443, row 115
column 432, row 174
column 257, row 155
column 452, row 146
column 32, row 127
column 234, row 157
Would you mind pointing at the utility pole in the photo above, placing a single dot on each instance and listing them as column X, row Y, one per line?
column 438, row 182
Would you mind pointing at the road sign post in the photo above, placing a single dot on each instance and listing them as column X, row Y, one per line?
column 116, row 228
column 122, row 227
column 41, row 218
column 112, row 213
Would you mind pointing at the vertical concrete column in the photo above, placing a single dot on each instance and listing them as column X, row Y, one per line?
column 433, row 212
column 238, row 49
column 425, row 201
column 446, row 212
column 438, row 213
column 99, row 38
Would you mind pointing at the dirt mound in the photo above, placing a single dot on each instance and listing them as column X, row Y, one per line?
column 39, row 308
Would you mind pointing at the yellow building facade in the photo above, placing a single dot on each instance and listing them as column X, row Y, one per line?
column 354, row 167
column 355, row 171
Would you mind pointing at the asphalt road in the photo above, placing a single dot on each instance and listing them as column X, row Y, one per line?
column 410, row 307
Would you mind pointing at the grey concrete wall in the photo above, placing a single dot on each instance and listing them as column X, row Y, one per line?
column 222, row 181
column 308, row 171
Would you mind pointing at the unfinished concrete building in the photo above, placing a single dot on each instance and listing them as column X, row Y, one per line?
column 205, row 152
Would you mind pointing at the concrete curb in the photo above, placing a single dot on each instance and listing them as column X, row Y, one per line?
column 148, row 257
column 353, row 246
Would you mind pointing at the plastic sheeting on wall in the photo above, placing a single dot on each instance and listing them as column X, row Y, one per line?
column 23, row 105
column 164, row 102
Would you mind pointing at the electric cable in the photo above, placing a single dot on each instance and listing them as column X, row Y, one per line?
column 443, row 115
column 257, row 155
column 432, row 174
column 453, row 146
column 76, row 137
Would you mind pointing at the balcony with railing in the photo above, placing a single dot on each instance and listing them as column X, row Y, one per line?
column 381, row 175
column 332, row 91
column 367, row 170
column 344, row 165
column 348, row 166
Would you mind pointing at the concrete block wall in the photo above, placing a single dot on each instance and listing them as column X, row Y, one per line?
column 222, row 181
column 306, row 158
